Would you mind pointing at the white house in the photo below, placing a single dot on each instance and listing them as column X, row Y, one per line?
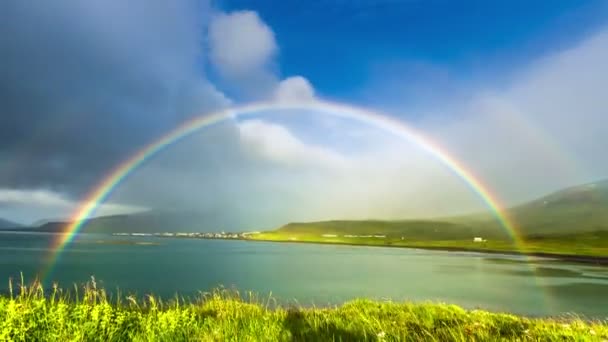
column 478, row 239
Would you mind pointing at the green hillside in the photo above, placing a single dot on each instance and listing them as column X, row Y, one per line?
column 579, row 209
column 570, row 222
column 576, row 209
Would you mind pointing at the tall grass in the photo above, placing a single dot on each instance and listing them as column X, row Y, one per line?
column 88, row 313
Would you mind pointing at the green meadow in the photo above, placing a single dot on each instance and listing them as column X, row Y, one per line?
column 88, row 313
column 592, row 245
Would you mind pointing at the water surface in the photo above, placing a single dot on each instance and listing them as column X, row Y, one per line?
column 314, row 274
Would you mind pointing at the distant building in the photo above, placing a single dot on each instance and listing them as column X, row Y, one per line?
column 478, row 239
column 329, row 235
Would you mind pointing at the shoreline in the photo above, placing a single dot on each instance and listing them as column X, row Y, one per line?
column 580, row 259
column 574, row 258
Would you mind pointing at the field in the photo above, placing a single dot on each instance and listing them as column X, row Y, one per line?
column 89, row 314
column 585, row 245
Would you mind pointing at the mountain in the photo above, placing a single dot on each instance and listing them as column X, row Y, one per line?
column 153, row 221
column 574, row 210
column 5, row 224
column 582, row 208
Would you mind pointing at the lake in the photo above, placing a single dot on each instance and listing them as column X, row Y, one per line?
column 314, row 274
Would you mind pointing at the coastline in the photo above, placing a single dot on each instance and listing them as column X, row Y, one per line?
column 581, row 259
column 574, row 258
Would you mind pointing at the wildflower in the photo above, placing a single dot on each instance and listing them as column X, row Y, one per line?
column 592, row 332
column 381, row 334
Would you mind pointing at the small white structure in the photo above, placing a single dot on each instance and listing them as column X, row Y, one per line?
column 478, row 239
column 329, row 235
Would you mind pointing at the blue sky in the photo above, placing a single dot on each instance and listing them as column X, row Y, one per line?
column 342, row 46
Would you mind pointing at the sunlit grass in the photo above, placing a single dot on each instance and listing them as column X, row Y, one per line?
column 584, row 245
column 88, row 313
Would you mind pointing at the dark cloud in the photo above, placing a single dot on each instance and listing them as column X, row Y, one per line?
column 84, row 84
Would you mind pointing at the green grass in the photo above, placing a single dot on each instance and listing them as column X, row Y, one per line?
column 27, row 314
column 593, row 244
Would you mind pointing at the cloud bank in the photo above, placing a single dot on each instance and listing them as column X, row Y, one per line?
column 542, row 131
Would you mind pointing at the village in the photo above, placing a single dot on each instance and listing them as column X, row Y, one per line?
column 196, row 235
column 248, row 235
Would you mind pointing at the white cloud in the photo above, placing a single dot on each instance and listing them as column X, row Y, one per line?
column 240, row 42
column 294, row 89
column 278, row 144
column 244, row 50
column 32, row 205
column 34, row 197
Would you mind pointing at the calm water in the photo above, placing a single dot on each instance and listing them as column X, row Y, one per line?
column 318, row 274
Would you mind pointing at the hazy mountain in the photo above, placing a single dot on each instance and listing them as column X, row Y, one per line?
column 4, row 224
column 577, row 209
column 153, row 221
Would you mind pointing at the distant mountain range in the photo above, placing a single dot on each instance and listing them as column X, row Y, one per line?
column 578, row 209
column 4, row 224
column 154, row 221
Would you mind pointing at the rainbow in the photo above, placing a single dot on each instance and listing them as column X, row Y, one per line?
column 104, row 188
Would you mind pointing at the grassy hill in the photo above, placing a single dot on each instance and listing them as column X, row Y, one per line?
column 572, row 221
column 576, row 209
column 579, row 209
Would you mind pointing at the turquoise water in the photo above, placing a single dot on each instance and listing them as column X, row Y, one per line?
column 314, row 274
